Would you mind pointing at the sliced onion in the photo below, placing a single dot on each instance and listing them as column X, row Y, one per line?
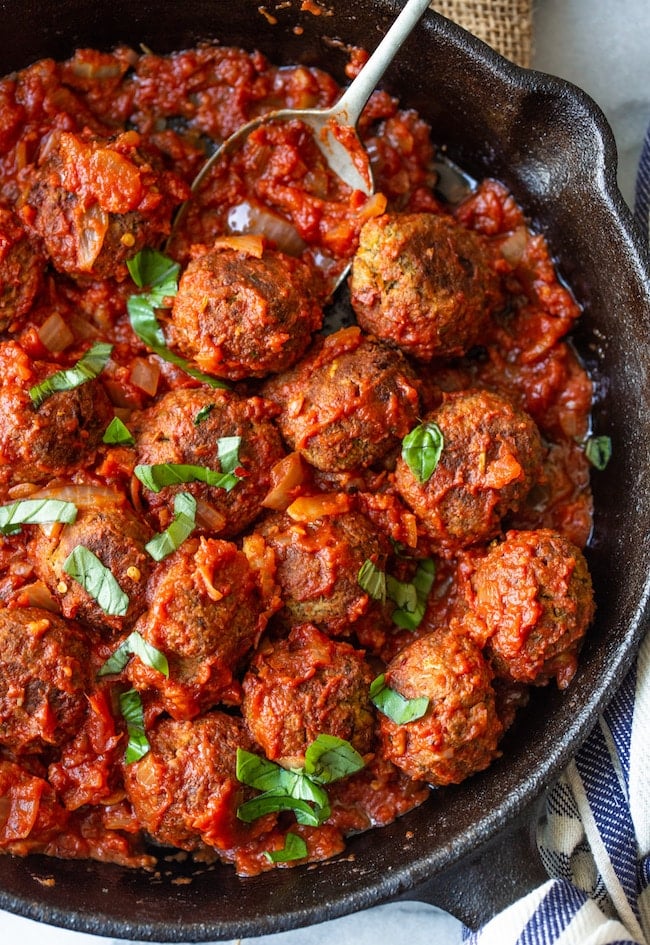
column 145, row 375
column 286, row 474
column 248, row 218
column 208, row 518
column 311, row 508
column 54, row 333
column 512, row 248
column 38, row 595
column 252, row 244
column 83, row 496
column 94, row 226
column 95, row 70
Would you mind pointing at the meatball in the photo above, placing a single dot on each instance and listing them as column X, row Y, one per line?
column 184, row 791
column 491, row 458
column 533, row 591
column 424, row 283
column 206, row 612
column 238, row 315
column 318, row 565
column 304, row 686
column 347, row 403
column 185, row 426
column 96, row 202
column 116, row 536
column 21, row 271
column 459, row 732
column 43, row 674
column 55, row 438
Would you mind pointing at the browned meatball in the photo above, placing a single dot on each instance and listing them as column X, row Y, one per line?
column 206, row 612
column 43, row 675
column 491, row 458
column 55, row 438
column 347, row 403
column 184, row 426
column 423, row 282
column 96, row 202
column 318, row 565
column 238, row 315
column 184, row 791
column 533, row 592
column 116, row 536
column 304, row 686
column 21, row 270
column 459, row 732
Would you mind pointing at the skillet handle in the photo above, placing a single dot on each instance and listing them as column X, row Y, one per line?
column 492, row 877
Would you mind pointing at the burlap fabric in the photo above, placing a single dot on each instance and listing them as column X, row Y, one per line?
column 506, row 25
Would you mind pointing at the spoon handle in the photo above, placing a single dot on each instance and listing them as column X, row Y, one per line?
column 351, row 103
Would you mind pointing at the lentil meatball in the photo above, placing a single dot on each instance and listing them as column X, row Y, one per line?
column 206, row 612
column 491, row 458
column 238, row 315
column 43, row 676
column 95, row 202
column 459, row 732
column 21, row 270
column 185, row 426
column 318, row 564
column 184, row 791
column 533, row 592
column 115, row 535
column 347, row 403
column 303, row 686
column 423, row 282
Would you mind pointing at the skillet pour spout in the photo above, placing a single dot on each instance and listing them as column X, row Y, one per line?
column 550, row 146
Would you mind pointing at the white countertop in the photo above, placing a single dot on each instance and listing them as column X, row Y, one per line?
column 603, row 46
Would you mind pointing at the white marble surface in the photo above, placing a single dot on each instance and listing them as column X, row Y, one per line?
column 603, row 46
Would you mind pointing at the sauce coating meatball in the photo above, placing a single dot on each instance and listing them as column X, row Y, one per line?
column 318, row 565
column 43, row 677
column 238, row 315
column 533, row 592
column 116, row 536
column 491, row 458
column 184, row 791
column 185, row 426
column 21, row 270
column 206, row 611
column 304, row 686
column 458, row 734
column 347, row 403
column 95, row 202
column 424, row 283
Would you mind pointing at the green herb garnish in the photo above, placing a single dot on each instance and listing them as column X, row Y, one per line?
column 410, row 597
column 180, row 528
column 97, row 580
column 598, row 450
column 131, row 709
column 203, row 414
column 294, row 848
column 117, row 433
column 173, row 474
column 421, row 450
column 135, row 645
column 35, row 512
column 87, row 368
column 394, row 705
column 372, row 580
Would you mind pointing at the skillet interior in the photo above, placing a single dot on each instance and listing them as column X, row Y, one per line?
column 550, row 145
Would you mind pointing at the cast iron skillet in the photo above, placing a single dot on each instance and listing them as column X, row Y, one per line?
column 550, row 145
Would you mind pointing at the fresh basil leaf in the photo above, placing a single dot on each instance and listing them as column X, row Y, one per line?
column 35, row 512
column 135, row 645
column 180, row 528
column 228, row 452
column 203, row 414
column 86, row 369
column 421, row 450
column 394, row 705
column 131, row 709
column 411, row 598
column 272, row 802
column 172, row 474
column 372, row 580
column 265, row 775
column 117, row 433
column 151, row 269
column 95, row 578
column 598, row 450
column 330, row 758
column 294, row 848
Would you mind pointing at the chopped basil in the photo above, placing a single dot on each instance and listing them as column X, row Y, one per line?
column 411, row 598
column 87, row 368
column 394, row 705
column 272, row 802
column 95, row 578
column 372, row 580
column 421, row 450
column 172, row 474
column 118, row 433
column 228, row 452
column 131, row 709
column 294, row 848
column 598, row 450
column 330, row 758
column 203, row 414
column 159, row 275
column 35, row 512
column 135, row 645
column 180, row 528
